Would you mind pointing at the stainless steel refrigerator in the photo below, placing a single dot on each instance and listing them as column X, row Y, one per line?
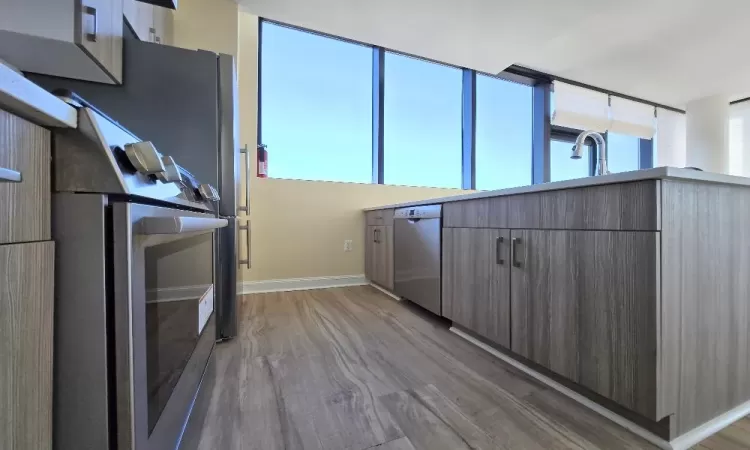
column 185, row 102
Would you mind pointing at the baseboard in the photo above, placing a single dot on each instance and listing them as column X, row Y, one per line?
column 386, row 292
column 300, row 284
column 175, row 294
column 628, row 425
column 696, row 435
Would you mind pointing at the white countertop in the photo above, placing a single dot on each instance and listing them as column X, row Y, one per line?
column 26, row 99
column 657, row 173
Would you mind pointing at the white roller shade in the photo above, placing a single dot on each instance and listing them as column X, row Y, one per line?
column 580, row 108
column 671, row 138
column 632, row 118
column 739, row 139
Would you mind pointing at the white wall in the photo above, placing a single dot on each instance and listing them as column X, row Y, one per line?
column 707, row 130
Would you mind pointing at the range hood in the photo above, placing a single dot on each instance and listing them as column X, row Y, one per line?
column 171, row 4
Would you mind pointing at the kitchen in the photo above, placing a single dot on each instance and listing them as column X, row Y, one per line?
column 402, row 378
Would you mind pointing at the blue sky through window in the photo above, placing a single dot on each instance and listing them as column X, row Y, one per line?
column 421, row 123
column 316, row 114
column 623, row 152
column 503, row 133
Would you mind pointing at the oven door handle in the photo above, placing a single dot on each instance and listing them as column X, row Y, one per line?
column 149, row 226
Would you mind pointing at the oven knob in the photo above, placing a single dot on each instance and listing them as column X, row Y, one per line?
column 144, row 157
column 171, row 173
column 208, row 192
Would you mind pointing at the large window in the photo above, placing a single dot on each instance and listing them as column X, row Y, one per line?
column 336, row 110
column 503, row 133
column 562, row 167
column 623, row 152
column 316, row 114
column 422, row 123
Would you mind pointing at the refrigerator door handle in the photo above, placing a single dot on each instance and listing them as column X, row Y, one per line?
column 246, row 208
column 246, row 229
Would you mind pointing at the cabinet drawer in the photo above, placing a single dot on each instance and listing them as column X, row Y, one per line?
column 618, row 207
column 24, row 205
column 26, row 325
column 380, row 217
column 480, row 213
column 625, row 206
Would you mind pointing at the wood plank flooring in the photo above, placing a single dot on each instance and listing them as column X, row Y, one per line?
column 350, row 368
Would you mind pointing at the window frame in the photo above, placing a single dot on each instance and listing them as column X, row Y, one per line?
column 543, row 132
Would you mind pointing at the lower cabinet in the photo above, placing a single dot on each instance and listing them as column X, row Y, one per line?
column 26, row 326
column 583, row 304
column 476, row 281
column 379, row 255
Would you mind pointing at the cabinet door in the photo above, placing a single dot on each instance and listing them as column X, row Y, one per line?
column 100, row 32
column 146, row 31
column 476, row 281
column 584, row 306
column 384, row 259
column 371, row 236
column 162, row 25
column 544, row 292
column 26, row 312
column 130, row 11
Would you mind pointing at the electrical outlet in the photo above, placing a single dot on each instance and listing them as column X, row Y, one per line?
column 348, row 245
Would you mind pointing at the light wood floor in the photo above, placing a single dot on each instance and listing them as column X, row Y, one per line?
column 350, row 368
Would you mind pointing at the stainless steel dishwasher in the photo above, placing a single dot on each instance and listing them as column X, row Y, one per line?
column 417, row 255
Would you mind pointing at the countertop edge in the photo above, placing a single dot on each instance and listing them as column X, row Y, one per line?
column 24, row 98
column 657, row 173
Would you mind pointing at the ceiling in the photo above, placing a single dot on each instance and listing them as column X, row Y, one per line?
column 663, row 51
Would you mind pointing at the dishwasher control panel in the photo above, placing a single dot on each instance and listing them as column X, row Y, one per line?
column 419, row 212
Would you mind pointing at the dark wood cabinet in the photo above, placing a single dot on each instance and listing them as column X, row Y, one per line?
column 379, row 255
column 476, row 281
column 584, row 305
column 26, row 325
column 543, row 299
column 25, row 148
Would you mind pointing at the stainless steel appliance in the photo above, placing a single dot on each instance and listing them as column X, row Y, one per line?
column 185, row 102
column 417, row 255
column 134, row 288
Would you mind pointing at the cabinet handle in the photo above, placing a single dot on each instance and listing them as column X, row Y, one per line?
column 7, row 175
column 498, row 243
column 246, row 229
column 513, row 243
column 246, row 153
column 91, row 11
column 152, row 34
column 377, row 236
column 157, row 39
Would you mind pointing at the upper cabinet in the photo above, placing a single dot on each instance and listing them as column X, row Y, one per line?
column 163, row 25
column 79, row 39
column 150, row 23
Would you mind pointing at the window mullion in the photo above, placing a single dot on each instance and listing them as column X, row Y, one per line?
column 468, row 130
column 541, row 131
column 378, row 154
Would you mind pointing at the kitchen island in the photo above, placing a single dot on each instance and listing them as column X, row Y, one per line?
column 629, row 289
